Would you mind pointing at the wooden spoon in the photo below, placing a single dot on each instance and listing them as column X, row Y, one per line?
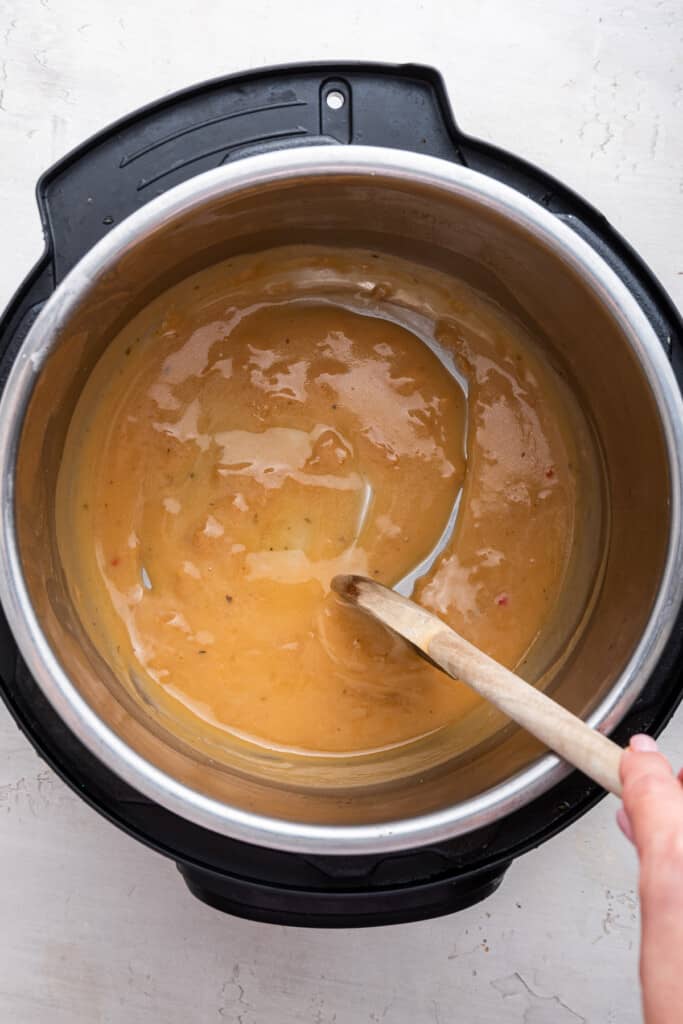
column 588, row 750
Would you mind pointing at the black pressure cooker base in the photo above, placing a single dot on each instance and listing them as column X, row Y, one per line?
column 101, row 183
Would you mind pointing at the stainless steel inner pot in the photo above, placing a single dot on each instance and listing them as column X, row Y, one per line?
column 460, row 222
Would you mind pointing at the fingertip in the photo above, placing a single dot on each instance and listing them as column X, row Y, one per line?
column 643, row 744
column 636, row 765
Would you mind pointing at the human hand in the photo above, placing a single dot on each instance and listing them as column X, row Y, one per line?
column 652, row 818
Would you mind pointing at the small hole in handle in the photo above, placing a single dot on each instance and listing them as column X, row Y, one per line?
column 335, row 99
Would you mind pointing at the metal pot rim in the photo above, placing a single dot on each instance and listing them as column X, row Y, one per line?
column 260, row 171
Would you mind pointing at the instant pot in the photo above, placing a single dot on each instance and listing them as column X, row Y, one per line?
column 349, row 154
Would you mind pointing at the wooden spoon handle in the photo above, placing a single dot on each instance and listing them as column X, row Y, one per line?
column 588, row 750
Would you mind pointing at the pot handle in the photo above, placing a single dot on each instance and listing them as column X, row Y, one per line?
column 119, row 170
column 339, row 906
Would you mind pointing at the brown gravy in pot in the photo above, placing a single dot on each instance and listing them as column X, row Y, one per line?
column 282, row 417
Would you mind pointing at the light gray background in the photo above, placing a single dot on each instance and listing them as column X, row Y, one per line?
column 94, row 928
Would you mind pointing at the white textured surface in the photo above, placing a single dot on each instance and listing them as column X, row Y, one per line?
column 93, row 927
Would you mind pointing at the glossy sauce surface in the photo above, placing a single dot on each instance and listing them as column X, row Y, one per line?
column 277, row 419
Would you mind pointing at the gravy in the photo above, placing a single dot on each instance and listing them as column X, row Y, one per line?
column 280, row 418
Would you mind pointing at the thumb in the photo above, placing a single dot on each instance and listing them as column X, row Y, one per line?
column 652, row 795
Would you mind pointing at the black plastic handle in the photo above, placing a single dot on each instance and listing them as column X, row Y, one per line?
column 153, row 149
column 332, row 908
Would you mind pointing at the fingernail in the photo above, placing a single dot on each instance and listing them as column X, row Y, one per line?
column 643, row 744
column 624, row 823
